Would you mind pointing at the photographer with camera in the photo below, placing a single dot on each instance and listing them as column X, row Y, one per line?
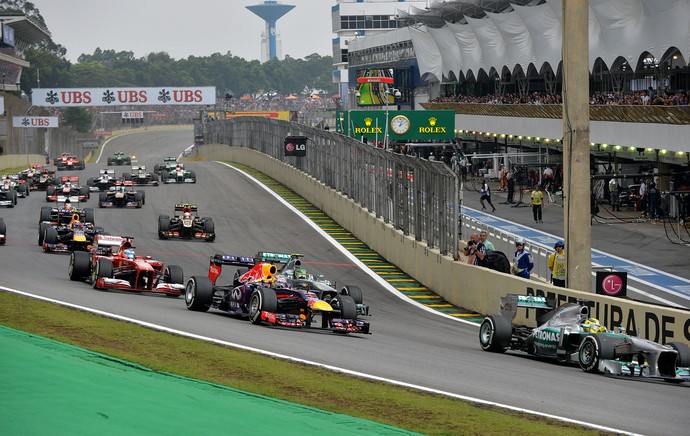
column 475, row 251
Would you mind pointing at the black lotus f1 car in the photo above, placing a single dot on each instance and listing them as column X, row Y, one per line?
column 186, row 225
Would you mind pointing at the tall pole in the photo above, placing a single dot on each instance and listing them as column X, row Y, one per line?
column 576, row 182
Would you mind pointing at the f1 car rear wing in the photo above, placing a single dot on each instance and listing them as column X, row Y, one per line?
column 139, row 167
column 73, row 179
column 224, row 259
column 511, row 302
column 181, row 206
column 108, row 172
column 268, row 256
column 169, row 159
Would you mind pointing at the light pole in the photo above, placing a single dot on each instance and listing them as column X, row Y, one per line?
column 396, row 94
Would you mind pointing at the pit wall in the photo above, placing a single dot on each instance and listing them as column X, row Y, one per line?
column 474, row 288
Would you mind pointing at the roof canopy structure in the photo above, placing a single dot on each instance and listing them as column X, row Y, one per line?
column 468, row 36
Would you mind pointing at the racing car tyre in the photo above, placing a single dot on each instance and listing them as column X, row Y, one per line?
column 495, row 333
column 198, row 293
column 3, row 230
column 593, row 349
column 51, row 236
column 84, row 191
column 192, row 175
column 683, row 350
column 50, row 190
column 139, row 199
column 154, row 177
column 45, row 214
column 262, row 299
column 79, row 266
column 209, row 227
column 42, row 232
column 173, row 274
column 90, row 182
column 164, row 176
column 163, row 226
column 127, row 177
column 353, row 291
column 157, row 168
column 89, row 216
column 346, row 305
column 23, row 187
column 13, row 196
column 102, row 198
column 104, row 268
column 110, row 162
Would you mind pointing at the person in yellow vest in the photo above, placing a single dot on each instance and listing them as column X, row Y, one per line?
column 557, row 265
column 537, row 203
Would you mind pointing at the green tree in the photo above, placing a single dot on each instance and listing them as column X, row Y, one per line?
column 78, row 118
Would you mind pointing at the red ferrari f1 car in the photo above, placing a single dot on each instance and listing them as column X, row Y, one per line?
column 112, row 263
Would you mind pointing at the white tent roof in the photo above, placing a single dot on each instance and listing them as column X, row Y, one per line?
column 495, row 34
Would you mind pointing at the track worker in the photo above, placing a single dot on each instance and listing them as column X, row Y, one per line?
column 557, row 264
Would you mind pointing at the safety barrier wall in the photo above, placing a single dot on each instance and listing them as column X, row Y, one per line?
column 17, row 142
column 474, row 288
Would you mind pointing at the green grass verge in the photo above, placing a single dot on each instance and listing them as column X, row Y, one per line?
column 400, row 407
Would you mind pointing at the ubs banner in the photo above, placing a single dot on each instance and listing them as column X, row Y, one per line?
column 63, row 97
column 421, row 125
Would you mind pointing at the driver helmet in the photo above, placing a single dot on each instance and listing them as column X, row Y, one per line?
column 129, row 253
column 187, row 214
column 592, row 325
column 300, row 273
column 68, row 206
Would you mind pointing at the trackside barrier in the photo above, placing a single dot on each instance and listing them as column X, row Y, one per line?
column 475, row 288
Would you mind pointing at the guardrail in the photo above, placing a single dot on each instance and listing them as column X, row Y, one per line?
column 419, row 197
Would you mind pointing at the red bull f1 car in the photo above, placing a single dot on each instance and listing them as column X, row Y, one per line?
column 73, row 236
column 186, row 224
column 68, row 190
column 62, row 216
column 113, row 264
column 257, row 295
column 568, row 334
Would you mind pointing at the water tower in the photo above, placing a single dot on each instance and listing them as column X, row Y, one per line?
column 270, row 11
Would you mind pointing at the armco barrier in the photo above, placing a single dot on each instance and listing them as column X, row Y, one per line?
column 475, row 288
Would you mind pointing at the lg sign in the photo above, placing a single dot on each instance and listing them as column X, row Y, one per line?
column 296, row 146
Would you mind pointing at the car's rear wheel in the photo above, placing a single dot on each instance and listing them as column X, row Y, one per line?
column 102, row 198
column 139, row 199
column 262, row 299
column 593, row 350
column 198, row 294
column 13, row 197
column 104, row 268
column 164, row 175
column 495, row 333
column 173, row 274
column 89, row 215
column 79, row 266
column 353, row 291
column 50, row 190
column 192, row 175
column 163, row 226
column 45, row 213
column 3, row 230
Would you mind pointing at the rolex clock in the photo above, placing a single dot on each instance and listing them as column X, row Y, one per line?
column 400, row 124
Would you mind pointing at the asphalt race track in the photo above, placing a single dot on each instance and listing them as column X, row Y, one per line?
column 407, row 343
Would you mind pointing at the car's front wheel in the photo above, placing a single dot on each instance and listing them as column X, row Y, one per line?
column 262, row 299
column 79, row 266
column 593, row 350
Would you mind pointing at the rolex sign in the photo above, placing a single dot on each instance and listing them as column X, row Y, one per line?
column 296, row 146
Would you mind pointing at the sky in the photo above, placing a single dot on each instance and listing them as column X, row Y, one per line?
column 184, row 27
